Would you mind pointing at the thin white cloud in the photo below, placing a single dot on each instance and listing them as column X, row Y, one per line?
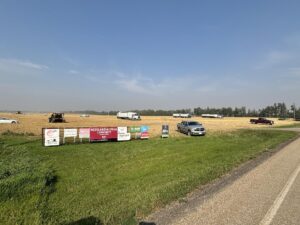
column 138, row 85
column 17, row 65
column 167, row 86
column 32, row 65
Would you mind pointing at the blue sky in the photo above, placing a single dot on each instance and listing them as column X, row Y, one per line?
column 121, row 55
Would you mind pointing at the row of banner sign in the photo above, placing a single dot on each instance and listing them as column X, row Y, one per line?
column 52, row 136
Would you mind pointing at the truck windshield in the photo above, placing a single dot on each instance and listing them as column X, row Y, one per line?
column 193, row 123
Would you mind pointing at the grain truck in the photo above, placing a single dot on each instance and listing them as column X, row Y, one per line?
column 128, row 115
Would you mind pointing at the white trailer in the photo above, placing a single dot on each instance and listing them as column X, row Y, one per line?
column 128, row 115
column 185, row 115
column 176, row 115
column 182, row 115
column 212, row 116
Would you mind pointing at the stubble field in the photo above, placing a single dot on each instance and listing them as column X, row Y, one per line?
column 34, row 122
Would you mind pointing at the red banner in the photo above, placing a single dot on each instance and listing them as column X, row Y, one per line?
column 103, row 133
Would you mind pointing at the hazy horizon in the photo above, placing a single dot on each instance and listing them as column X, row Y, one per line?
column 115, row 55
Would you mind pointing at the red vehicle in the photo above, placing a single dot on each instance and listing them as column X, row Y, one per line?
column 261, row 120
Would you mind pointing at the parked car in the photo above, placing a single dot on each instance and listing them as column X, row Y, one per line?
column 261, row 120
column 6, row 120
column 57, row 118
column 191, row 128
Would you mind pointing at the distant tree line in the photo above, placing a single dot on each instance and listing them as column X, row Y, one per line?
column 279, row 110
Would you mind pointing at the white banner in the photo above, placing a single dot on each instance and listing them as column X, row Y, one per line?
column 84, row 133
column 124, row 137
column 122, row 130
column 51, row 137
column 70, row 133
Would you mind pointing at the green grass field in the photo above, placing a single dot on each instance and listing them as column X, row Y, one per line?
column 114, row 183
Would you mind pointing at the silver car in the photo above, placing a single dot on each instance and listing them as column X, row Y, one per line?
column 191, row 128
column 6, row 120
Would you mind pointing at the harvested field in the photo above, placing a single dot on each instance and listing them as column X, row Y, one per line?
column 34, row 122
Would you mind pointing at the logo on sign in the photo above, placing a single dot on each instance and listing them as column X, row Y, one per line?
column 51, row 137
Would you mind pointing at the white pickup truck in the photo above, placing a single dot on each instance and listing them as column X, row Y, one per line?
column 128, row 115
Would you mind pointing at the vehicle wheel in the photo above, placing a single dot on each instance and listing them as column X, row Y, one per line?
column 189, row 133
column 13, row 122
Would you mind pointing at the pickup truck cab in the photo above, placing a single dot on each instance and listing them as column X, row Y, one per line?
column 261, row 120
column 191, row 128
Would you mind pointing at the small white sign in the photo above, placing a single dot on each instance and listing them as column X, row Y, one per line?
column 124, row 137
column 122, row 130
column 70, row 133
column 51, row 137
column 84, row 133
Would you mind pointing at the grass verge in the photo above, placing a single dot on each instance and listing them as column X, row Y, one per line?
column 115, row 183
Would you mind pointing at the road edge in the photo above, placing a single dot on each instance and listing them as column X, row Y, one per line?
column 177, row 208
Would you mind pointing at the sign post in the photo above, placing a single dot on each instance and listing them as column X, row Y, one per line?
column 165, row 131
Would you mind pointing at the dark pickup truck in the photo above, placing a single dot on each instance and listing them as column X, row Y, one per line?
column 261, row 120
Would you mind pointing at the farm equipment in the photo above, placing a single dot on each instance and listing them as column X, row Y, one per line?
column 57, row 118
